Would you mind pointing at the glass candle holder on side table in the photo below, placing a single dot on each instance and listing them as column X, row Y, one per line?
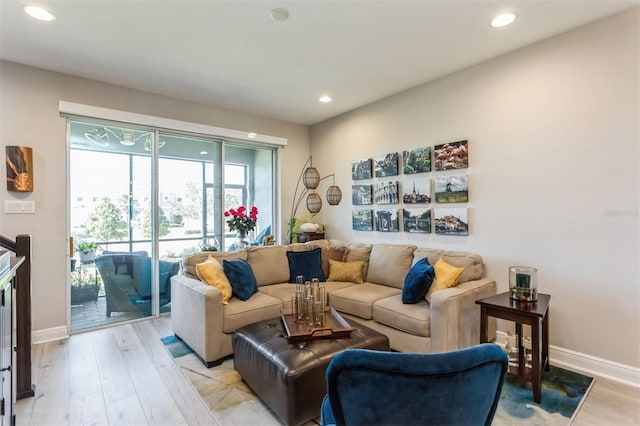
column 523, row 283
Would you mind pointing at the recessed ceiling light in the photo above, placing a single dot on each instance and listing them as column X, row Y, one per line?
column 252, row 135
column 39, row 13
column 325, row 99
column 203, row 152
column 503, row 20
column 279, row 14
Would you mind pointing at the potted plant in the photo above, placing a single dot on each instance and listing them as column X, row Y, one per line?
column 87, row 251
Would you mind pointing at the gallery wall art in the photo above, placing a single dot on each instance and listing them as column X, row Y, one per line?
column 451, row 221
column 416, row 161
column 451, row 189
column 386, row 193
column 361, row 169
column 387, row 221
column 416, row 191
column 362, row 220
column 452, row 155
column 386, row 165
column 361, row 195
column 430, row 175
column 416, row 220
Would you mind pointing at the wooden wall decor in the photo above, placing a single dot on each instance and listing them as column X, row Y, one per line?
column 19, row 168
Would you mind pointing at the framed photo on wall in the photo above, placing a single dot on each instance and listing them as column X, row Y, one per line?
column 361, row 169
column 362, row 220
column 416, row 191
column 417, row 160
column 452, row 155
column 451, row 189
column 387, row 221
column 361, row 195
column 451, row 221
column 387, row 165
column 416, row 220
column 386, row 193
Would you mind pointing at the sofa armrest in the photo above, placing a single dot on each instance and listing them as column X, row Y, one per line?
column 196, row 313
column 455, row 317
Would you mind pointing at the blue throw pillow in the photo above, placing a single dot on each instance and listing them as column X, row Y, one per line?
column 240, row 275
column 417, row 282
column 305, row 263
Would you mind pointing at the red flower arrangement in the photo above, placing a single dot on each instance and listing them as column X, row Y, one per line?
column 240, row 221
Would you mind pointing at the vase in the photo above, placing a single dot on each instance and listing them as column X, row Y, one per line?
column 241, row 241
column 523, row 283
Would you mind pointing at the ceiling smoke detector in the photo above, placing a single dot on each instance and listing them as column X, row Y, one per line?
column 279, row 14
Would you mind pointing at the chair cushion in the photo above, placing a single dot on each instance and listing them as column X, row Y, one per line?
column 269, row 264
column 211, row 273
column 446, row 276
column 417, row 282
column 241, row 277
column 346, row 271
column 308, row 264
column 414, row 319
column 389, row 264
column 359, row 299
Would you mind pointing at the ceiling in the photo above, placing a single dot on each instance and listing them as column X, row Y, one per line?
column 231, row 54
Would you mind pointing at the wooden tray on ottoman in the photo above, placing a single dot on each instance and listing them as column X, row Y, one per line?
column 336, row 327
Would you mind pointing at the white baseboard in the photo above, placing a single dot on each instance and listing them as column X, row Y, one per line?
column 594, row 366
column 49, row 335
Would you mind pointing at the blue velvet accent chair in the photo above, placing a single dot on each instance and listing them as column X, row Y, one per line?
column 461, row 387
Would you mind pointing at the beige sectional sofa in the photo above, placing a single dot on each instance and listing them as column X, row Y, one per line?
column 451, row 321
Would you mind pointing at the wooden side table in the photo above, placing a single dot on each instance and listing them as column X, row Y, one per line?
column 534, row 314
column 304, row 237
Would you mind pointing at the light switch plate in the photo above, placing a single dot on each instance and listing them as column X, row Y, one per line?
column 19, row 207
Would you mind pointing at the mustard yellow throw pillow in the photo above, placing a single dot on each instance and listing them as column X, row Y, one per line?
column 446, row 276
column 346, row 271
column 211, row 273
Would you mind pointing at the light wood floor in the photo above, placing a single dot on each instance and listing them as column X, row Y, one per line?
column 124, row 376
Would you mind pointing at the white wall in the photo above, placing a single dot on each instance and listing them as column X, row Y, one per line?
column 553, row 134
column 29, row 116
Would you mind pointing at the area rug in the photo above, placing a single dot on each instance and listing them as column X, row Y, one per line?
column 232, row 402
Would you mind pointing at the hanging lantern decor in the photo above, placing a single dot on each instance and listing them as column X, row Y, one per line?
column 314, row 202
column 311, row 178
column 334, row 195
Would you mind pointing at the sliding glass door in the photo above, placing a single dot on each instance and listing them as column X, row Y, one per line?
column 140, row 199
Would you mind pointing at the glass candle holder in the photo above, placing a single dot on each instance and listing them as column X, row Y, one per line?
column 523, row 283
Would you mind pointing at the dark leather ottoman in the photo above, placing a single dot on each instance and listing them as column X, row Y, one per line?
column 289, row 379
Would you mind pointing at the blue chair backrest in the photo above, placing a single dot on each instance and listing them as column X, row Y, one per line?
column 461, row 387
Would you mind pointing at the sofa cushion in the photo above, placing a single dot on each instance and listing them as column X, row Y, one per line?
column 390, row 263
column 211, row 273
column 269, row 264
column 308, row 264
column 331, row 253
column 189, row 262
column 414, row 319
column 446, row 276
column 417, row 282
column 346, row 271
column 359, row 251
column 259, row 307
column 472, row 263
column 359, row 299
column 241, row 277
